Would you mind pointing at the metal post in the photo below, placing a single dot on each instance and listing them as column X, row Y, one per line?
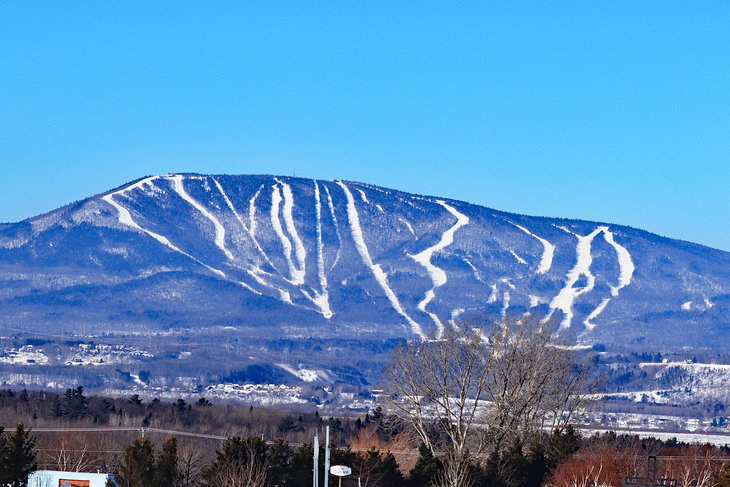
column 327, row 456
column 315, row 482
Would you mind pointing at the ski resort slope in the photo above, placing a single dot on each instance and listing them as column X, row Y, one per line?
column 347, row 257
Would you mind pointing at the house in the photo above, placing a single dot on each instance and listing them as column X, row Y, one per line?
column 55, row 478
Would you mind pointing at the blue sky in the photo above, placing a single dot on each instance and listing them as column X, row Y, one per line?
column 608, row 111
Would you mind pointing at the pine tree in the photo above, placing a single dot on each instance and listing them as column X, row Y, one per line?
column 17, row 457
column 166, row 471
column 138, row 468
column 426, row 469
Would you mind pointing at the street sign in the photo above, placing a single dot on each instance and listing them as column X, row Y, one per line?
column 340, row 470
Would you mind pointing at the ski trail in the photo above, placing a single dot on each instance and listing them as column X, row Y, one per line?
column 125, row 218
column 548, row 252
column 437, row 275
column 505, row 302
column 391, row 195
column 252, row 228
column 220, row 231
column 322, row 300
column 626, row 265
column 288, row 211
column 626, row 272
column 493, row 295
column 474, row 270
column 230, row 204
column 252, row 213
column 567, row 296
column 296, row 276
column 594, row 314
column 455, row 314
column 517, row 257
column 337, row 227
column 380, row 276
column 247, row 229
column 363, row 196
column 408, row 226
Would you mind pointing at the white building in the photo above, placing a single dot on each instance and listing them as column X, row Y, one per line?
column 55, row 478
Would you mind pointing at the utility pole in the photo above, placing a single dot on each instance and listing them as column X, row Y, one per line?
column 327, row 456
column 316, row 460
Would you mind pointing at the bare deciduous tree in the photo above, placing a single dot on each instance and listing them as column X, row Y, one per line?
column 467, row 393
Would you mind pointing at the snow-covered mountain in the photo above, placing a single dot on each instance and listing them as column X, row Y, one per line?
column 293, row 257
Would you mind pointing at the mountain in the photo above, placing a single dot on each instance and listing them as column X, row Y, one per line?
column 258, row 266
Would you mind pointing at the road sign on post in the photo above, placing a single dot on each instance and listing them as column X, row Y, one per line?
column 340, row 471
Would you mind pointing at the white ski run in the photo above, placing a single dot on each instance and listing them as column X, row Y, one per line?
column 380, row 276
column 337, row 227
column 567, row 296
column 437, row 275
column 322, row 299
column 288, row 212
column 220, row 231
column 125, row 218
column 296, row 275
column 626, row 265
column 546, row 261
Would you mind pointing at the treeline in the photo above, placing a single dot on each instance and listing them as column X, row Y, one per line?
column 560, row 459
column 267, row 448
column 74, row 408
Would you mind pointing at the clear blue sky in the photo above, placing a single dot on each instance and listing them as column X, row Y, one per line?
column 610, row 111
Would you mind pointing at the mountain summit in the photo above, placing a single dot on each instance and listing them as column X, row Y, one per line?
column 295, row 257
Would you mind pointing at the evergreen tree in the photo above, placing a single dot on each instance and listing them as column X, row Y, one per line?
column 513, row 467
column 138, row 467
column 301, row 465
column 166, row 471
column 561, row 445
column 281, row 463
column 426, row 469
column 537, row 466
column 74, row 403
column 388, row 472
column 17, row 457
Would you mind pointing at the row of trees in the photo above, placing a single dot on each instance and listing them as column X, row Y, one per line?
column 562, row 459
column 248, row 462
